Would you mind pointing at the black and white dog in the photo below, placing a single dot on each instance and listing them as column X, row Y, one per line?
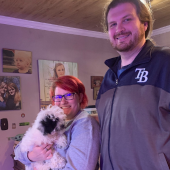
column 47, row 128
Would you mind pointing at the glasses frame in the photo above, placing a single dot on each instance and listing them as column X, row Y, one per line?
column 63, row 96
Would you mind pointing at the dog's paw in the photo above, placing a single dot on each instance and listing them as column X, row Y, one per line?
column 61, row 143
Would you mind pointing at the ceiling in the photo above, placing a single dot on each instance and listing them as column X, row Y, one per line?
column 82, row 14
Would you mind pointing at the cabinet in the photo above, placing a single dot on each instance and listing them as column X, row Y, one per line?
column 17, row 164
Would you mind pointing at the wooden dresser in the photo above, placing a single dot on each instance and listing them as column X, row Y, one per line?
column 17, row 164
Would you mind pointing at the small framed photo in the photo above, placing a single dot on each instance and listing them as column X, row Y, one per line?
column 91, row 111
column 96, row 81
column 95, row 92
column 16, row 61
column 10, row 93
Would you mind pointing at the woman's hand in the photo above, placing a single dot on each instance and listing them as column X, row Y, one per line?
column 40, row 153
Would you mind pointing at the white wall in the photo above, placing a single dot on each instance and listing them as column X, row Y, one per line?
column 89, row 53
column 162, row 39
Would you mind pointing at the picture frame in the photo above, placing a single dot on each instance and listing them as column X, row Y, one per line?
column 95, row 92
column 91, row 111
column 49, row 71
column 96, row 81
column 17, row 61
column 10, row 89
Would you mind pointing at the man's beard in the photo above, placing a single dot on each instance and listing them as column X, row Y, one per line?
column 128, row 46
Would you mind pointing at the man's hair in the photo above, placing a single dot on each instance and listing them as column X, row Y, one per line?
column 143, row 11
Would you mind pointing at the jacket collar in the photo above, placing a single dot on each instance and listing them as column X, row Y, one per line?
column 143, row 56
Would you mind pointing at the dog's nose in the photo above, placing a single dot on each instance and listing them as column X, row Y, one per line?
column 62, row 126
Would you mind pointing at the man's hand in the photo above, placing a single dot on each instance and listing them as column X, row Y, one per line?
column 40, row 153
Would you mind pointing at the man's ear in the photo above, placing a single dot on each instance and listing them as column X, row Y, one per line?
column 145, row 25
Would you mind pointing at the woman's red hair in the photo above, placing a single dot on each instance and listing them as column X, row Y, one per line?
column 71, row 84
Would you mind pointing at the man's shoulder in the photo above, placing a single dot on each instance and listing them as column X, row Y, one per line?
column 161, row 50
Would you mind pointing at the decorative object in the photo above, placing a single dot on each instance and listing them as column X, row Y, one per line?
column 96, row 81
column 22, row 115
column 16, row 61
column 10, row 95
column 48, row 72
column 4, row 124
column 24, row 124
column 13, row 125
column 95, row 92
column 17, row 137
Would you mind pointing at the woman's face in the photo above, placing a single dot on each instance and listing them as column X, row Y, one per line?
column 60, row 70
column 11, row 91
column 70, row 107
column 3, row 88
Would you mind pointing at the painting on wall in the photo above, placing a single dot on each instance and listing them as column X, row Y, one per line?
column 96, row 81
column 10, row 93
column 16, row 61
column 48, row 72
column 95, row 92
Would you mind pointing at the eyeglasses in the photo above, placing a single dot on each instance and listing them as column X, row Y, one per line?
column 68, row 96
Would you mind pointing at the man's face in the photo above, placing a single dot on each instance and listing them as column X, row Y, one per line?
column 125, row 30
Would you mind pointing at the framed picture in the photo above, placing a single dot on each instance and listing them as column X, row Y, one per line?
column 10, row 93
column 91, row 110
column 16, row 61
column 96, row 81
column 49, row 71
column 95, row 92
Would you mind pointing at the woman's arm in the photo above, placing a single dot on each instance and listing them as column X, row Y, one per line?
column 21, row 156
column 38, row 153
column 83, row 151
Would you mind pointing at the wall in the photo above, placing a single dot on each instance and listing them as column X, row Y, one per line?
column 89, row 53
column 162, row 39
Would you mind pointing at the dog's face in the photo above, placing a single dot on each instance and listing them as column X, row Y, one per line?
column 51, row 121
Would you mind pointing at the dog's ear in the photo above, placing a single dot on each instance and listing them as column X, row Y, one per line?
column 41, row 129
column 48, row 124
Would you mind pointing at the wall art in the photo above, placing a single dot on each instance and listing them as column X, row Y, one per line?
column 96, row 81
column 48, row 72
column 16, row 61
column 10, row 93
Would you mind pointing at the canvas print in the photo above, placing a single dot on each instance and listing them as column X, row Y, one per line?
column 48, row 72
column 95, row 92
column 96, row 81
column 10, row 93
column 91, row 110
column 16, row 61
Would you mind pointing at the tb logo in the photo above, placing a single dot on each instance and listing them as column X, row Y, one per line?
column 142, row 75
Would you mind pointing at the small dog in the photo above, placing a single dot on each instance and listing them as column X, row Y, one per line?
column 47, row 128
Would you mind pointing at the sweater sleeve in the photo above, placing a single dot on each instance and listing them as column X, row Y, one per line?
column 83, row 150
column 21, row 156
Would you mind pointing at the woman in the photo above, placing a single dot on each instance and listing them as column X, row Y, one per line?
column 14, row 98
column 3, row 97
column 59, row 70
column 82, row 130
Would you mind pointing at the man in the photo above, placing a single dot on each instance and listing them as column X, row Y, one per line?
column 134, row 99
